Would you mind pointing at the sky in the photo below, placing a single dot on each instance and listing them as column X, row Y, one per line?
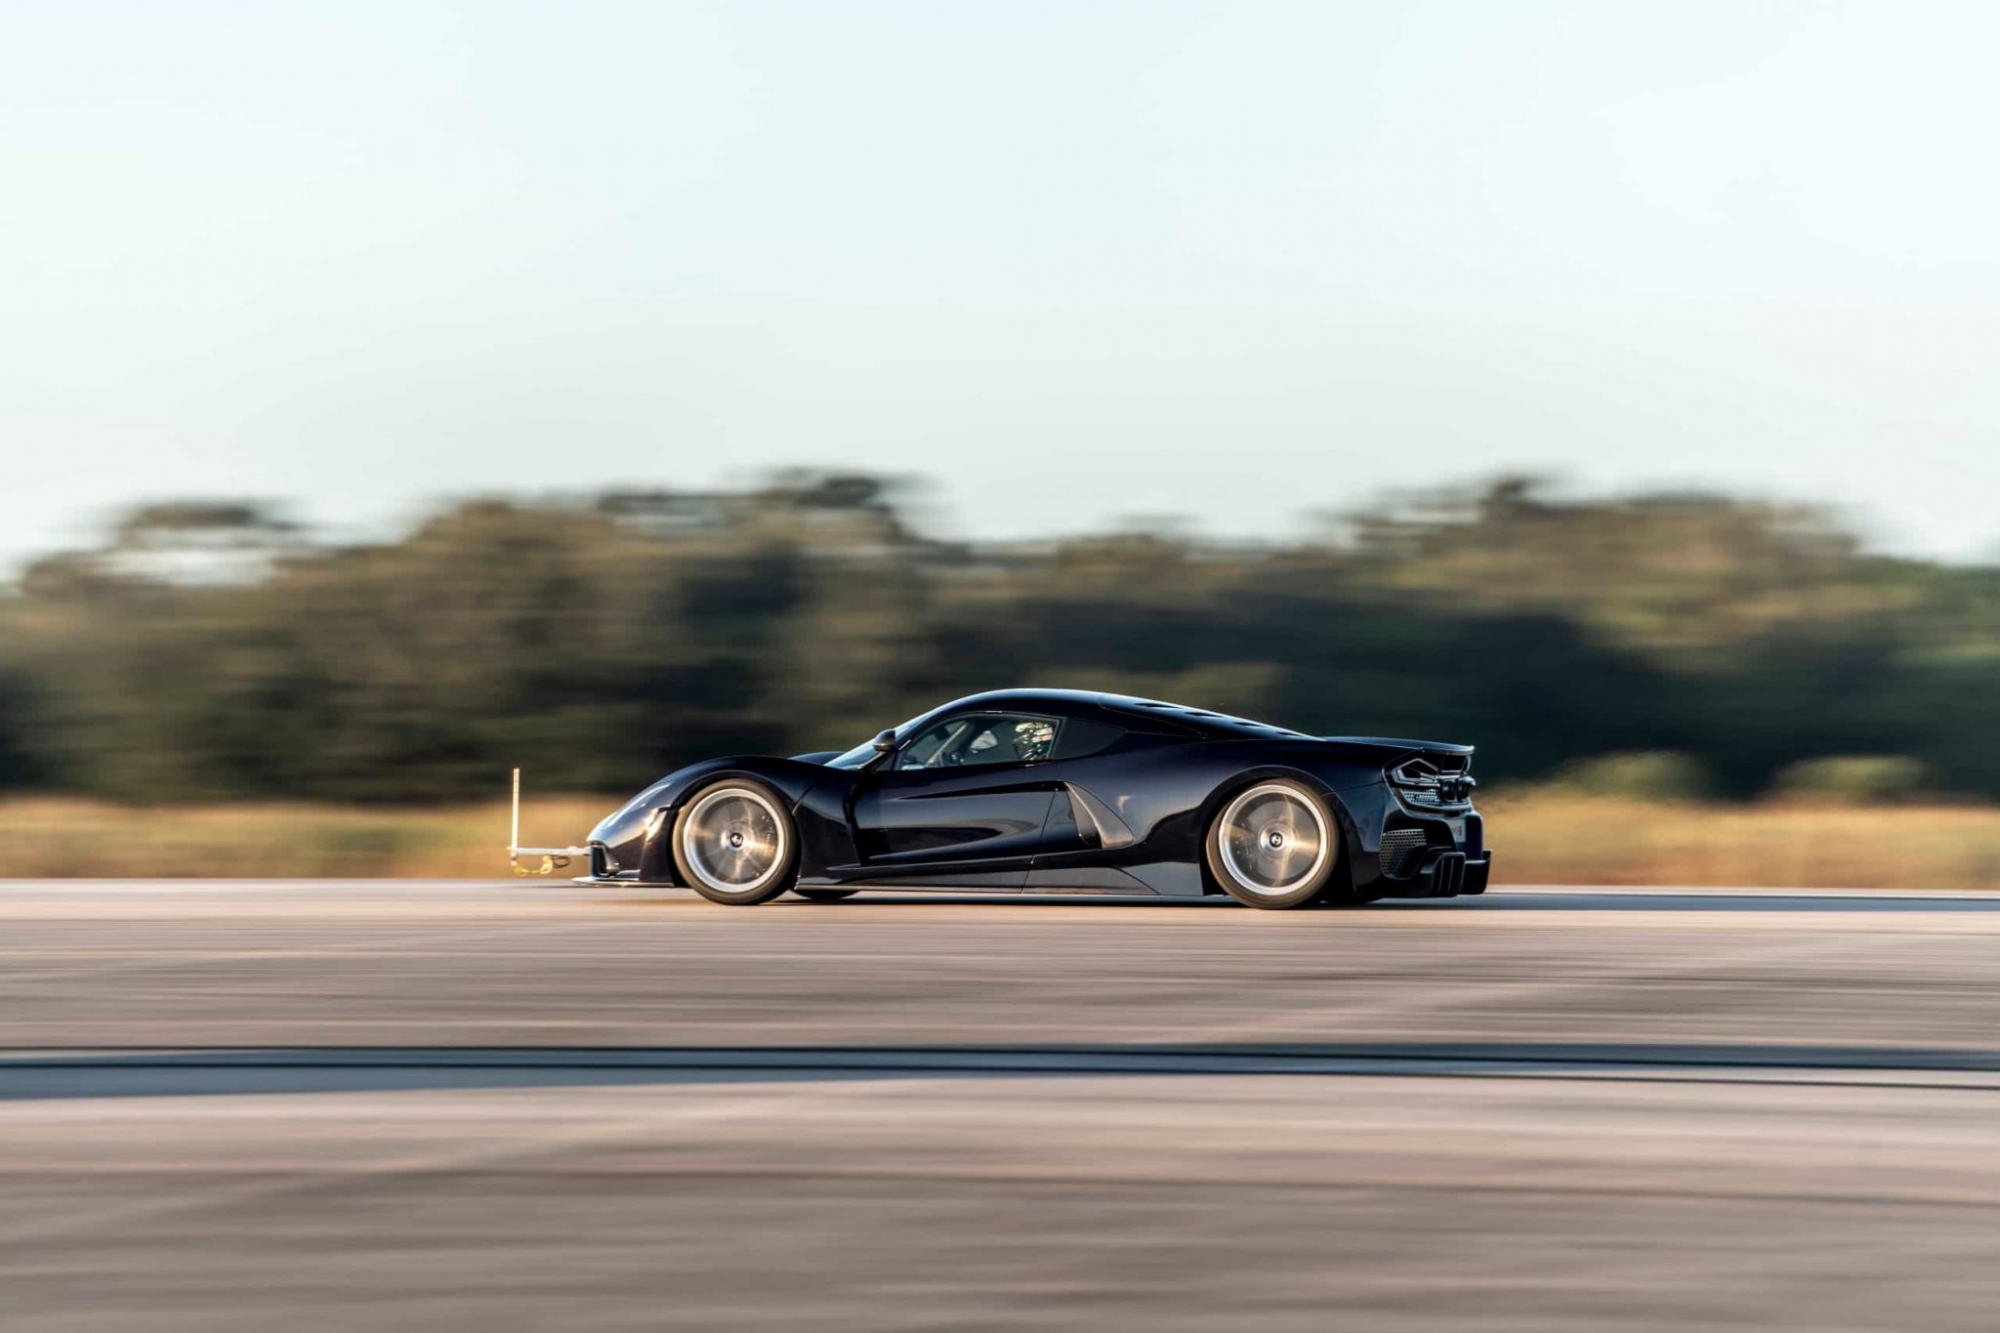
column 1076, row 263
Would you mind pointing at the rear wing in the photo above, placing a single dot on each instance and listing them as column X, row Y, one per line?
column 553, row 858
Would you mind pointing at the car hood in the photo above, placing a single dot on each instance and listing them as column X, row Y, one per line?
column 817, row 756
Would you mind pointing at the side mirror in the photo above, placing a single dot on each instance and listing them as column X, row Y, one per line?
column 886, row 742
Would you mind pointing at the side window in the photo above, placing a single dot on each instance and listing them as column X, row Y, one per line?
column 982, row 738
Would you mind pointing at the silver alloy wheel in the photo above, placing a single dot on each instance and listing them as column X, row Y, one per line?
column 734, row 840
column 1272, row 840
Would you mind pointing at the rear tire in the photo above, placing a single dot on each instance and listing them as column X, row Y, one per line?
column 735, row 844
column 1274, row 845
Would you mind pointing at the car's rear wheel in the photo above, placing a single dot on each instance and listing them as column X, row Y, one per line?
column 734, row 844
column 1273, row 845
column 825, row 895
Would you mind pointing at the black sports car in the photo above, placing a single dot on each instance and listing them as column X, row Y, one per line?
column 1065, row 790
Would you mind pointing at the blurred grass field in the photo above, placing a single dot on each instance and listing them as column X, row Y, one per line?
column 1541, row 837
column 1565, row 839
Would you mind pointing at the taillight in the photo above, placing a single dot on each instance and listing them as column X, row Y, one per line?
column 1424, row 783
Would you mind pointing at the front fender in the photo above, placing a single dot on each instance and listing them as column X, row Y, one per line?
column 638, row 833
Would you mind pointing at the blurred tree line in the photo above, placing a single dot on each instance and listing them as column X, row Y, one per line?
column 214, row 651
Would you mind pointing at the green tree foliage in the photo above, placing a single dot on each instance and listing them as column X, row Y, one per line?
column 215, row 651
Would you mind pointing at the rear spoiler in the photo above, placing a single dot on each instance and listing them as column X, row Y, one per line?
column 553, row 858
column 1409, row 747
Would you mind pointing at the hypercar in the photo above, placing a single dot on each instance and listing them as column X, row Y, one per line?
column 1063, row 791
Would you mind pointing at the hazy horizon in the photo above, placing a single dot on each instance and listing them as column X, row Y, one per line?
column 1234, row 264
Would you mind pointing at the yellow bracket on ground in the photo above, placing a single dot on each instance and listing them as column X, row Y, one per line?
column 549, row 865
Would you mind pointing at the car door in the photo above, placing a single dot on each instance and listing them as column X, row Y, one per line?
column 969, row 794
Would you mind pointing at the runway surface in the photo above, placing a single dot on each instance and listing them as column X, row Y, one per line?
column 515, row 1104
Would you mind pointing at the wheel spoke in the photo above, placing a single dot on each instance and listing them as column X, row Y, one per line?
column 1272, row 840
column 733, row 840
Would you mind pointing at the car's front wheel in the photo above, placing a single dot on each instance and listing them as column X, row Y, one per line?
column 1274, row 845
column 734, row 843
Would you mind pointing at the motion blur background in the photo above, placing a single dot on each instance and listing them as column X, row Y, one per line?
column 393, row 394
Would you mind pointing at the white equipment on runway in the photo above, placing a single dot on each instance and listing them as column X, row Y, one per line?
column 553, row 858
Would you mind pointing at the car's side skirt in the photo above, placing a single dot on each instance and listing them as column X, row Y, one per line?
column 1001, row 881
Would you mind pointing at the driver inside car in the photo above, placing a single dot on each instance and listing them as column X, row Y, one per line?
column 983, row 741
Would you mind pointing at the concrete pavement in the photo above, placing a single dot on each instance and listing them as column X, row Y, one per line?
column 518, row 1104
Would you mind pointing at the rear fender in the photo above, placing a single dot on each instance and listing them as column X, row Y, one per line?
column 1168, row 798
column 1350, row 836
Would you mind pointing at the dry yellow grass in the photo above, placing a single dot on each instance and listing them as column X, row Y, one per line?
column 67, row 837
column 1540, row 837
column 1551, row 838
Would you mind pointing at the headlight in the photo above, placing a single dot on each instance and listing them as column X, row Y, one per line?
column 628, row 819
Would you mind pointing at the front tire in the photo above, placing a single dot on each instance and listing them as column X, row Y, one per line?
column 1274, row 845
column 735, row 844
